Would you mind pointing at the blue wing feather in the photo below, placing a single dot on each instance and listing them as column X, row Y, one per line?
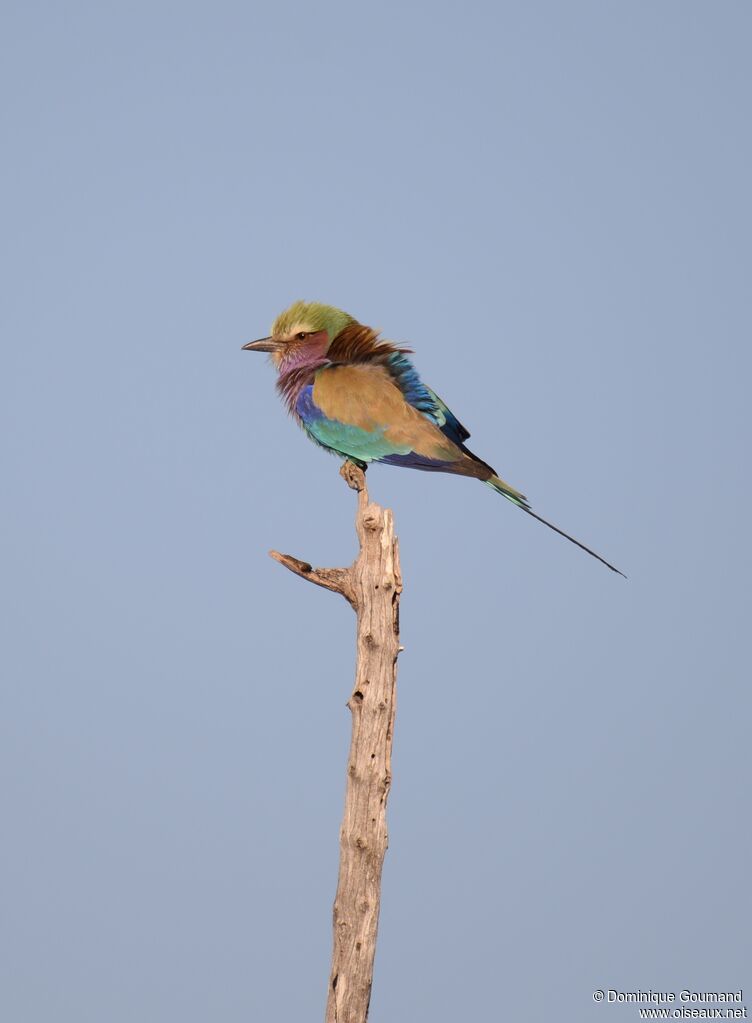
column 424, row 399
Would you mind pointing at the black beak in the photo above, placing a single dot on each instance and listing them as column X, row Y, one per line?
column 264, row 344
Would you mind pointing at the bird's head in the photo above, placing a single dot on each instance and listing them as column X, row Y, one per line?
column 306, row 327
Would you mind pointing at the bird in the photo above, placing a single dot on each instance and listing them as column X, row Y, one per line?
column 360, row 397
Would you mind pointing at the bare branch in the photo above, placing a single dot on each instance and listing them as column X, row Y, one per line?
column 372, row 585
column 353, row 476
column 338, row 580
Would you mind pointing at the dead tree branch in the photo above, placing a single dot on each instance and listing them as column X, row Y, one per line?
column 372, row 586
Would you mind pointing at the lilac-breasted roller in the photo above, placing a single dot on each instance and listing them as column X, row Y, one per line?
column 361, row 397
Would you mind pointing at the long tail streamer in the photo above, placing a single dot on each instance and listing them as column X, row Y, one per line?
column 518, row 499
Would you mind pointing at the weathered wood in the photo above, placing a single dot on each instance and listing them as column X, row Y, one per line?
column 372, row 585
column 336, row 579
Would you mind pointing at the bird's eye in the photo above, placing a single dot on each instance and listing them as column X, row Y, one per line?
column 301, row 336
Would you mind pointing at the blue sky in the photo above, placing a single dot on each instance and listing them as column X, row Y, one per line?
column 550, row 204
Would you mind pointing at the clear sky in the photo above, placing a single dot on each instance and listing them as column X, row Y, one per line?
column 551, row 203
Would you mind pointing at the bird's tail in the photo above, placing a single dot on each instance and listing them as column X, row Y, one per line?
column 498, row 484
